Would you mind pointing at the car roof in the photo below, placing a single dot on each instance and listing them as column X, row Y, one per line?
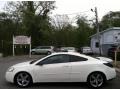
column 72, row 53
column 44, row 46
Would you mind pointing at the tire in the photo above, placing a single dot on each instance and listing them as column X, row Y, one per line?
column 96, row 80
column 32, row 53
column 23, row 79
column 48, row 53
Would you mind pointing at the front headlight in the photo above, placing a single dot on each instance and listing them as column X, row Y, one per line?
column 11, row 69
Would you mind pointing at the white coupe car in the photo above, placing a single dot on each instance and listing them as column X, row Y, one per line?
column 62, row 67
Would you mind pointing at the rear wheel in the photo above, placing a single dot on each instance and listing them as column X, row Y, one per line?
column 48, row 53
column 32, row 53
column 96, row 80
column 23, row 79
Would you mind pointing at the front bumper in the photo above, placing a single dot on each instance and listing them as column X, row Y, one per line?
column 9, row 76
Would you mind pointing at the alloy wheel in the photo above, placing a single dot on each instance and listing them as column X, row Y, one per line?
column 96, row 80
column 23, row 79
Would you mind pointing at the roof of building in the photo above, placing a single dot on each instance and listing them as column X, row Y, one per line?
column 113, row 28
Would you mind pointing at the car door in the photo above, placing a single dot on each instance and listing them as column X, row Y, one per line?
column 78, row 66
column 42, row 49
column 38, row 49
column 55, row 68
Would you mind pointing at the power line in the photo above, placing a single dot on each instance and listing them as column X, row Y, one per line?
column 73, row 19
column 74, row 13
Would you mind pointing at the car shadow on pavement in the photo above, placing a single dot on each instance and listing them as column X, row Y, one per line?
column 72, row 85
column 51, row 86
column 61, row 85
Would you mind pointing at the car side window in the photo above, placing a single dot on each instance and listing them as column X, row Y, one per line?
column 77, row 58
column 45, row 47
column 38, row 47
column 55, row 59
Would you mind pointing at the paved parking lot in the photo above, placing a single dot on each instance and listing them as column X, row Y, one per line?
column 8, row 61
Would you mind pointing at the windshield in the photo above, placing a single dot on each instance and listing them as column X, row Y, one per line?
column 33, row 61
column 86, row 48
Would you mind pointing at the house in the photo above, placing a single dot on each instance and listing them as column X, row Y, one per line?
column 108, row 38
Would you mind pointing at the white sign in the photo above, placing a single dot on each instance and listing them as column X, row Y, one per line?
column 21, row 40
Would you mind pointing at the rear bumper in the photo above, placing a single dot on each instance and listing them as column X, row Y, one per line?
column 111, row 74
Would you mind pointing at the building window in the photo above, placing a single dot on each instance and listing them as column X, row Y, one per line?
column 97, row 44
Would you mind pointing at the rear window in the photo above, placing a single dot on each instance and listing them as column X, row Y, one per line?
column 46, row 47
column 77, row 58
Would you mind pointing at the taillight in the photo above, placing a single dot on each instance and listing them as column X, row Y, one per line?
column 108, row 64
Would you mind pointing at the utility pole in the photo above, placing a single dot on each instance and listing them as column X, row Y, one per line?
column 2, row 45
column 97, row 27
column 110, row 22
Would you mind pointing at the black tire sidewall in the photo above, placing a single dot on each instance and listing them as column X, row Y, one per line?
column 88, row 81
column 16, row 83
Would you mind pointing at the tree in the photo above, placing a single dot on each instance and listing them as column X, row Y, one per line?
column 64, row 33
column 84, row 31
column 25, row 18
column 7, row 29
column 111, row 19
column 18, row 8
column 60, row 21
column 33, row 16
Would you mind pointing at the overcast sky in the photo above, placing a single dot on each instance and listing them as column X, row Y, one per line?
column 74, row 7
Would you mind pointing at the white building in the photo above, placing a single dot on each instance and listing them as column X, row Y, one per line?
column 108, row 38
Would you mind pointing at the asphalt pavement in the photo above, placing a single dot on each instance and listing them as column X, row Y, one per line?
column 6, row 62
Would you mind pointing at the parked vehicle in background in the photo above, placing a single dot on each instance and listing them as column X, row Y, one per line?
column 79, row 50
column 86, row 50
column 62, row 67
column 68, row 49
column 57, row 49
column 111, row 51
column 43, row 50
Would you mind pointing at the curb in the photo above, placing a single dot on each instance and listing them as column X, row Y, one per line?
column 117, row 69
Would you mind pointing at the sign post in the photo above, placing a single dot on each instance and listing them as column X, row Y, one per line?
column 21, row 40
column 115, row 57
column 13, row 48
column 30, row 48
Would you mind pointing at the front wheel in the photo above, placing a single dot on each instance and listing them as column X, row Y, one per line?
column 96, row 80
column 23, row 79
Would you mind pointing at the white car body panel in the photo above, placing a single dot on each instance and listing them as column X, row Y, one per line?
column 52, row 72
column 105, row 59
column 62, row 72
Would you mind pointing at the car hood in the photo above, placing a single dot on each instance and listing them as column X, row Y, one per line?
column 105, row 59
column 22, row 64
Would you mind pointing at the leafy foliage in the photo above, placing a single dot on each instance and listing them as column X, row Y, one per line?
column 31, row 18
column 111, row 19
